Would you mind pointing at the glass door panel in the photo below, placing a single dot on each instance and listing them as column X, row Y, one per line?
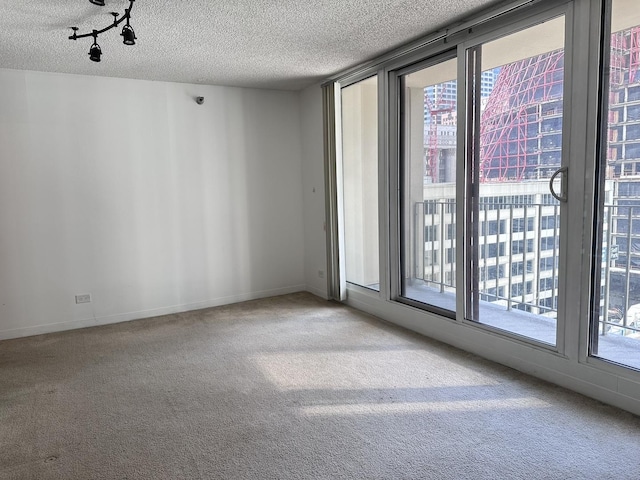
column 615, row 335
column 514, row 219
column 428, row 217
column 360, row 182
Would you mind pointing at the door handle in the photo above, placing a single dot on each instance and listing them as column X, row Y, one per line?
column 563, row 184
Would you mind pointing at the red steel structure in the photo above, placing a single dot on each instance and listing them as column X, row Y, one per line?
column 623, row 142
column 521, row 135
column 634, row 55
column 511, row 134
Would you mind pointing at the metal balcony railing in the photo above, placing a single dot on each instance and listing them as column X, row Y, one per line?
column 620, row 281
column 518, row 257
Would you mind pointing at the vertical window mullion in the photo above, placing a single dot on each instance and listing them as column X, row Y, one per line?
column 600, row 199
column 471, row 202
column 336, row 284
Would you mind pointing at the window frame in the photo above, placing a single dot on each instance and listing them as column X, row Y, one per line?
column 340, row 172
column 569, row 364
column 434, row 57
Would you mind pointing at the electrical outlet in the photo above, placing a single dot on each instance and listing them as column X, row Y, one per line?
column 321, row 273
column 86, row 298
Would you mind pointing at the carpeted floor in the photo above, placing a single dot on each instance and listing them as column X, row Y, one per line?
column 291, row 387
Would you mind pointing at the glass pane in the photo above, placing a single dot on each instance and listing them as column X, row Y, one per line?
column 429, row 189
column 617, row 335
column 517, row 221
column 360, row 177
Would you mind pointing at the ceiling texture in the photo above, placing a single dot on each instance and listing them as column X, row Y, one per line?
column 278, row 44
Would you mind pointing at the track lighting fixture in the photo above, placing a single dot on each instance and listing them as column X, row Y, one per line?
column 128, row 35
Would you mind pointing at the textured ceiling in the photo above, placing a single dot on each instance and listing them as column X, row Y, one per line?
column 281, row 44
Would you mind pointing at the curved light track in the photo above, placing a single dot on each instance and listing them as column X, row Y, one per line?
column 127, row 32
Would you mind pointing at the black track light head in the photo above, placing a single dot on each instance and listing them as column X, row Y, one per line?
column 100, row 3
column 128, row 35
column 95, row 51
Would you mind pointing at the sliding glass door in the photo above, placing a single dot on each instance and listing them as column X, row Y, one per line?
column 428, row 98
column 508, row 135
column 515, row 152
column 360, row 182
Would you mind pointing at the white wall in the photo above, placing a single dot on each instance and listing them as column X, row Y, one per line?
column 130, row 191
column 313, row 190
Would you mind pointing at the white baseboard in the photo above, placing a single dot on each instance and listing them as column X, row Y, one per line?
column 317, row 292
column 155, row 312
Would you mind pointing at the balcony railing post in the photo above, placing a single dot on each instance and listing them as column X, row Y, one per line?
column 433, row 241
column 524, row 254
column 452, row 243
column 442, row 231
column 554, row 258
column 498, row 253
column 536, row 259
column 628, row 280
column 485, row 246
column 607, row 274
column 524, row 258
column 510, row 263
column 419, row 241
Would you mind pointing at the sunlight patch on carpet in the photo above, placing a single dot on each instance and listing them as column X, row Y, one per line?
column 424, row 407
column 366, row 370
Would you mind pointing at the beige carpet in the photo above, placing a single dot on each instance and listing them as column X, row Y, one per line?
column 290, row 387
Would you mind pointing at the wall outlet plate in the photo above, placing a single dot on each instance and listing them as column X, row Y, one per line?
column 85, row 298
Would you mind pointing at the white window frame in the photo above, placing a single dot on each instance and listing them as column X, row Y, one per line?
column 569, row 364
